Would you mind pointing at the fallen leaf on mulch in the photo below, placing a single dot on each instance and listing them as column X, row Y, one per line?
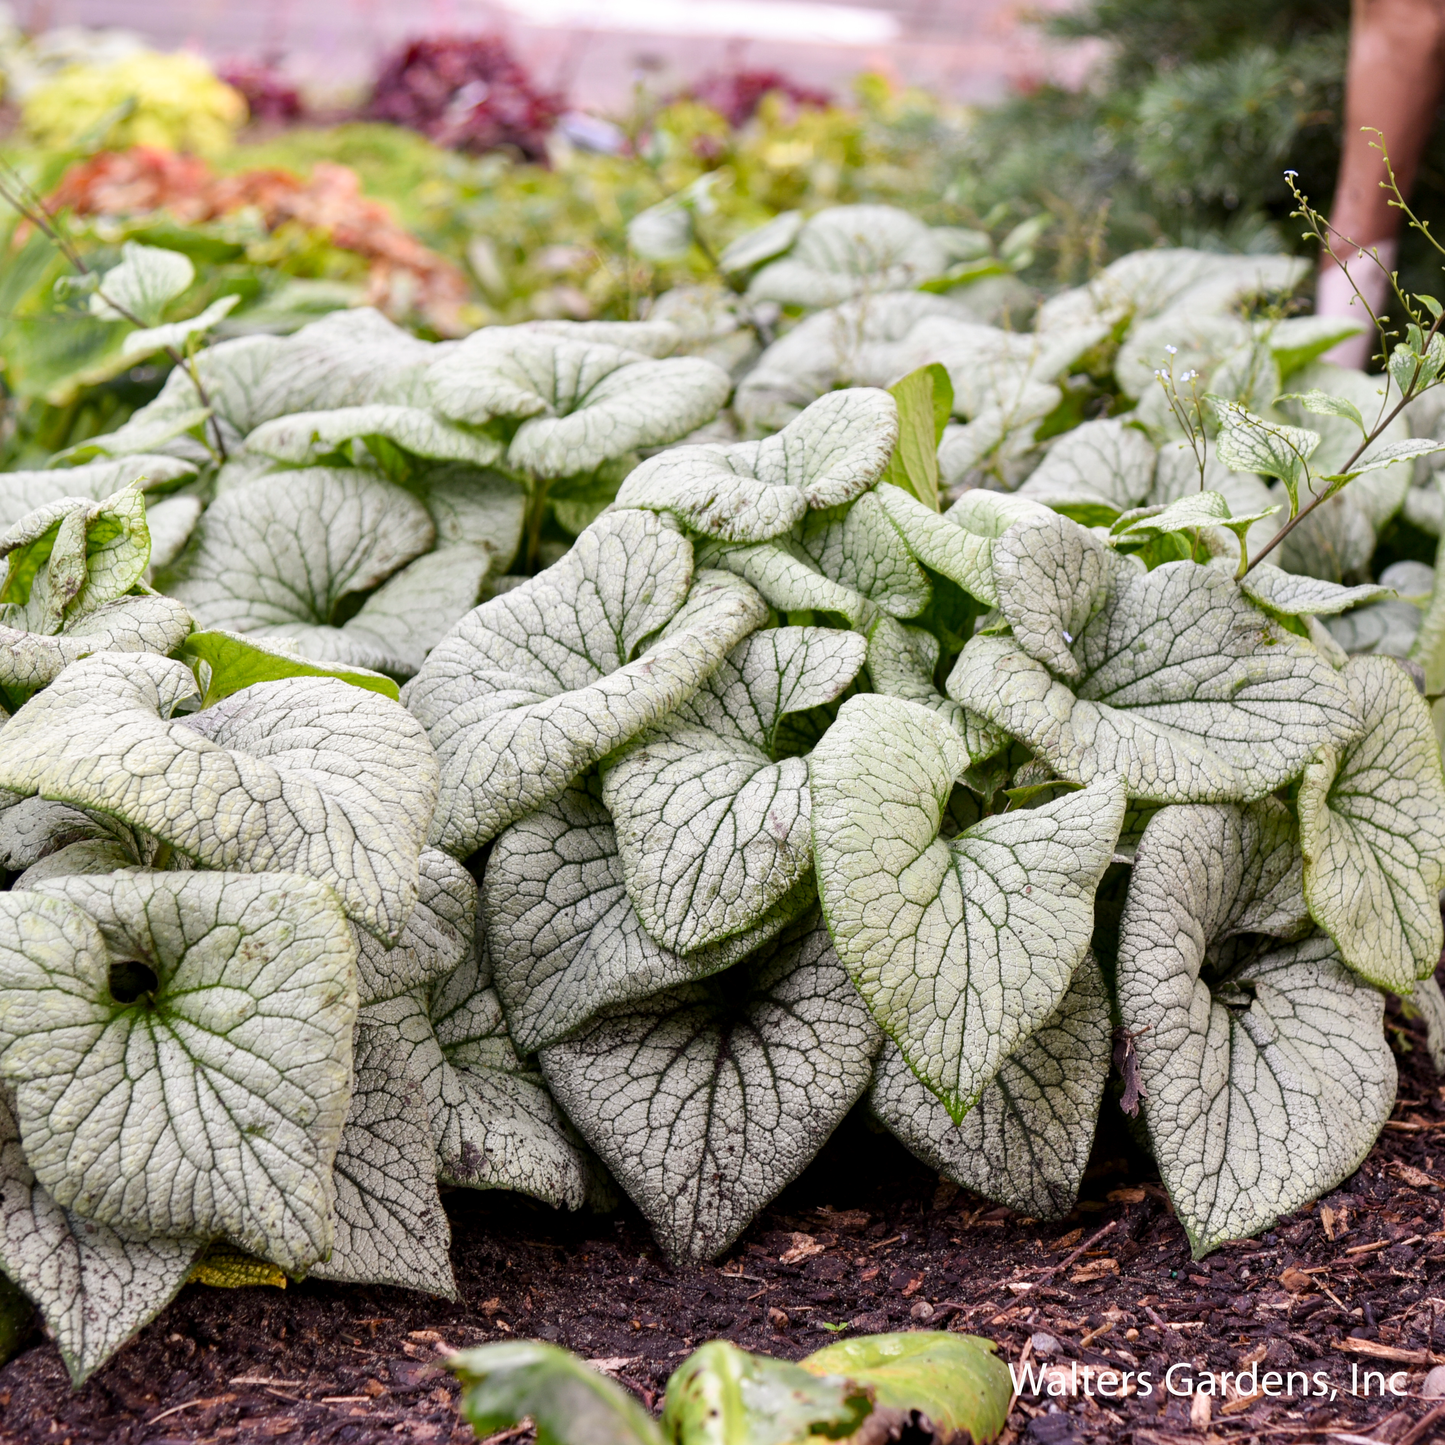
column 804, row 1246
column 1095, row 1269
column 1296, row 1281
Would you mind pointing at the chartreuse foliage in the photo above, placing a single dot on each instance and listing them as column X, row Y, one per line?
column 874, row 1387
column 750, row 763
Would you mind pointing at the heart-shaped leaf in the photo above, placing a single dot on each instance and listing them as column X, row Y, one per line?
column 533, row 687
column 180, row 1049
column 961, row 947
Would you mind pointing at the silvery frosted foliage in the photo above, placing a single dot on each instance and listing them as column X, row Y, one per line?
column 799, row 778
column 1170, row 678
column 281, row 557
column 826, row 457
column 207, row 1063
column 843, row 252
column 532, row 688
column 95, row 1286
column 306, row 775
column 708, row 1098
column 1262, row 1063
column 74, row 585
column 961, row 946
column 1372, row 827
column 1027, row 1140
column 713, row 817
column 575, row 404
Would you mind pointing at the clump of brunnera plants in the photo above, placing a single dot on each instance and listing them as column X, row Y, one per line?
column 607, row 754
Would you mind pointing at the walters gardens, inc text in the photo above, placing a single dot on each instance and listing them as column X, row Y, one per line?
column 1190, row 1380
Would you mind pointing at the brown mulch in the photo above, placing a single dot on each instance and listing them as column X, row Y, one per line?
column 868, row 1240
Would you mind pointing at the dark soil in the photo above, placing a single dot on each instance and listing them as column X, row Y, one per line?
column 866, row 1240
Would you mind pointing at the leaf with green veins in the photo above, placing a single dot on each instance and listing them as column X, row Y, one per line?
column 95, row 1286
column 304, row 438
column 439, row 935
column 177, row 335
column 532, row 688
column 1372, row 827
column 567, row 1402
column 846, row 251
column 1429, row 999
column 858, row 547
column 581, row 404
column 941, row 543
column 1266, row 1076
column 207, row 1067
column 70, row 557
column 925, row 403
column 23, row 492
column 957, row 1381
column 705, row 1100
column 901, row 663
column 1249, row 443
column 149, row 624
column 721, row 1395
column 304, row 775
column 564, row 938
column 713, row 829
column 1026, row 1142
column 826, row 456
column 1103, row 466
column 1291, row 594
column 147, row 280
column 493, row 1123
column 1181, row 685
column 237, row 662
column 277, row 558
column 1321, row 403
column 1378, row 458
column 786, row 580
column 1414, row 365
column 1203, row 509
column 961, row 947
column 390, row 1226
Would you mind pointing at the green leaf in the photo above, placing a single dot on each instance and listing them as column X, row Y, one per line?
column 1378, row 458
column 762, row 243
column 707, row 1099
column 957, row 1381
column 140, row 288
column 1296, row 341
column 1264, row 1071
column 925, row 401
column 858, row 547
column 1321, row 403
column 961, row 947
column 787, row 578
column 1249, row 443
column 203, row 1087
column 752, row 491
column 95, row 1286
column 23, row 492
column 712, row 826
column 1026, row 1142
column 564, row 938
column 568, row 1403
column 303, row 775
column 1179, row 683
column 391, row 1228
column 236, row 662
column 1429, row 999
column 720, row 1395
column 1372, row 827
column 277, row 558
column 535, row 686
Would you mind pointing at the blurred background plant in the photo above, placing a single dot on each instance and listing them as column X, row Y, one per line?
column 460, row 191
